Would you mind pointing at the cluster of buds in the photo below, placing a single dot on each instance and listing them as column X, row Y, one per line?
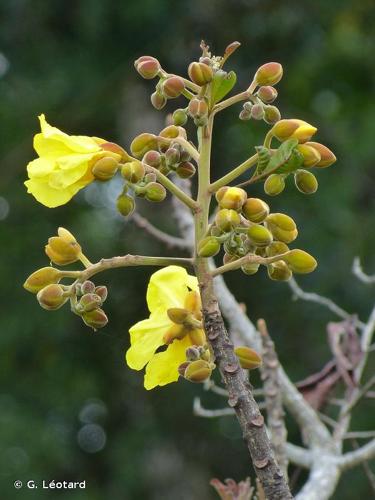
column 105, row 168
column 245, row 226
column 198, row 366
column 85, row 298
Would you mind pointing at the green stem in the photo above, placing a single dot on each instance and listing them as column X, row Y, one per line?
column 248, row 259
column 236, row 172
column 243, row 96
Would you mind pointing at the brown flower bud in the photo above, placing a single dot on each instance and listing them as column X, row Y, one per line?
column 282, row 227
column 326, row 155
column 257, row 112
column 200, row 73
column 248, row 358
column 301, row 262
column 197, row 108
column 231, row 197
column 87, row 287
column 274, row 185
column 227, row 219
column 51, row 297
column 105, row 168
column 185, row 170
column 148, row 67
column 179, row 117
column 255, row 209
column 41, row 278
column 173, row 87
column 279, row 271
column 208, row 247
column 259, row 235
column 152, row 158
column 89, row 302
column 192, row 353
column 133, row 171
column 155, row 192
column 64, row 248
column 269, row 74
column 198, row 371
column 182, row 368
column 102, row 292
column 125, row 205
column 267, row 94
column 172, row 156
column 158, row 100
column 95, row 319
column 271, row 114
column 305, row 182
column 143, row 143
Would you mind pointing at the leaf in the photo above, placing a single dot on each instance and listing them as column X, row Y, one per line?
column 294, row 163
column 264, row 156
column 223, row 83
column 281, row 156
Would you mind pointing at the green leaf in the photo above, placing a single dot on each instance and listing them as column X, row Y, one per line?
column 294, row 163
column 264, row 156
column 281, row 156
column 223, row 83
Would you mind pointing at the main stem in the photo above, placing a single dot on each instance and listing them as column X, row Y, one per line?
column 240, row 395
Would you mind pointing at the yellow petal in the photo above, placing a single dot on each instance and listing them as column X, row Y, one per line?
column 61, row 179
column 167, row 288
column 163, row 367
column 49, row 196
column 145, row 337
column 40, row 167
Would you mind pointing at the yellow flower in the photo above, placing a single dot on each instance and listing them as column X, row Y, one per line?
column 169, row 288
column 64, row 164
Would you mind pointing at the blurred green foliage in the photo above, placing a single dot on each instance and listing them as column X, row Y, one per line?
column 62, row 385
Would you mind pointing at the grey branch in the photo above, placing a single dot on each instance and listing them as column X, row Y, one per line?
column 353, row 458
column 169, row 240
column 199, row 411
column 360, row 274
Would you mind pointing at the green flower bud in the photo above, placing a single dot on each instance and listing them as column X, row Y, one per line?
column 267, row 94
column 171, row 132
column 259, row 236
column 87, row 287
column 173, row 87
column 282, row 227
column 152, row 158
column 227, row 219
column 158, row 100
column 198, row 371
column 269, row 74
column 311, row 156
column 301, row 262
column 125, row 205
column 293, row 129
column 274, row 185
column 64, row 248
column 276, row 248
column 255, row 209
column 105, row 168
column 271, row 114
column 257, row 112
column 95, row 319
column 231, row 197
column 155, row 192
column 178, row 315
column 102, row 292
column 248, row 358
column 41, row 278
column 208, row 247
column 185, row 170
column 179, row 117
column 197, row 108
column 279, row 271
column 133, row 171
column 200, row 73
column 305, row 182
column 143, row 143
column 148, row 67
column 326, row 155
column 51, row 297
column 89, row 302
column 250, row 268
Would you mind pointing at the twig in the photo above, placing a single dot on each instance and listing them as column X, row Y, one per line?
column 359, row 435
column 328, row 420
column 360, row 274
column 359, row 394
column 298, row 293
column 366, row 339
column 169, row 240
column 199, row 411
column 353, row 458
column 366, row 467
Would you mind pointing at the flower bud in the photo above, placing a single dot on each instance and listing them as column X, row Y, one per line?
column 143, row 143
column 105, row 168
column 87, row 287
column 41, row 278
column 276, row 248
column 114, row 148
column 257, row 112
column 51, row 297
column 305, row 182
column 192, row 353
column 173, row 87
column 269, row 74
column 255, row 209
column 179, row 117
column 182, row 368
column 174, row 332
column 279, row 271
column 200, row 73
column 89, row 302
column 158, row 100
column 171, row 132
column 148, row 67
column 102, row 292
column 267, row 94
column 248, row 358
column 250, row 268
column 227, row 219
column 245, row 115
column 293, row 129
column 282, row 227
column 155, row 192
column 274, row 185
column 300, row 262
column 125, row 205
column 326, row 155
column 185, row 170
column 95, row 319
column 311, row 156
column 178, row 315
column 197, row 108
column 198, row 371
column 172, row 156
column 231, row 197
column 133, row 171
column 64, row 248
column 271, row 114
column 259, row 235
column 152, row 158
column 208, row 247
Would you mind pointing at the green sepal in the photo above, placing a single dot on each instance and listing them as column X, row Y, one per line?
column 222, row 83
column 281, row 157
column 264, row 156
column 294, row 163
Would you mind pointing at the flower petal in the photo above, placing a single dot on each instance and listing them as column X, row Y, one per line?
column 145, row 337
column 167, row 288
column 49, row 196
column 163, row 367
column 41, row 167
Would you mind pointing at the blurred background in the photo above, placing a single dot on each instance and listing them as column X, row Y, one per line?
column 70, row 409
